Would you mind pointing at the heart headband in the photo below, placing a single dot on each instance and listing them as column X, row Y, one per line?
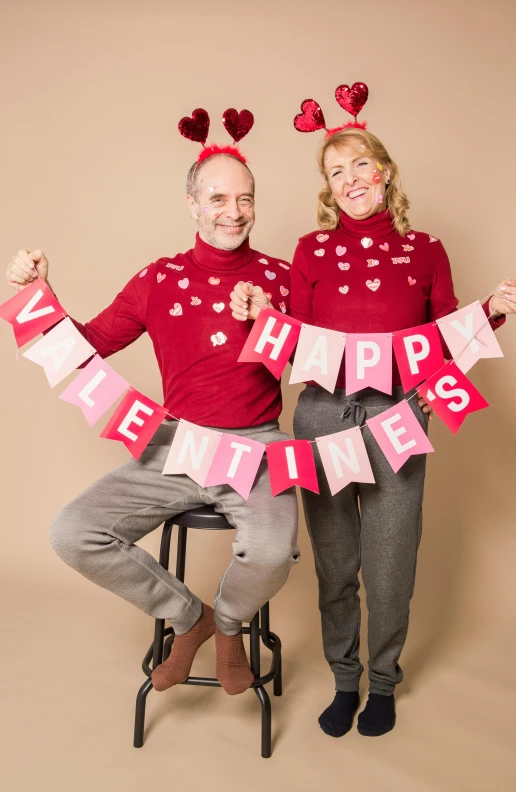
column 311, row 117
column 197, row 127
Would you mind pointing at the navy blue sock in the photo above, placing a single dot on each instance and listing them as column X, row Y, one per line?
column 337, row 719
column 378, row 716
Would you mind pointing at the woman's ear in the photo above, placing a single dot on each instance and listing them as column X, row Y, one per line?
column 387, row 174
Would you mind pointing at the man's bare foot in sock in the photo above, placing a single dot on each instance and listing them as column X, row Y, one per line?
column 176, row 668
column 233, row 670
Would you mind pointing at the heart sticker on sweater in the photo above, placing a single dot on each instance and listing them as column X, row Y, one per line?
column 366, row 242
column 373, row 285
column 160, row 277
column 322, row 237
column 340, row 250
column 218, row 339
column 433, row 239
column 214, row 281
column 407, row 248
column 196, row 301
column 218, row 307
column 263, row 261
column 283, row 307
column 411, row 236
column 343, row 289
column 177, row 267
column 319, row 252
column 143, row 272
column 385, row 246
column 176, row 310
column 183, row 284
column 283, row 291
column 372, row 262
column 285, row 266
column 343, row 265
column 411, row 281
column 270, row 275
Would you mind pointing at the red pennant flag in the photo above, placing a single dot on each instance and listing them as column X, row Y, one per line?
column 419, row 354
column 32, row 311
column 451, row 394
column 291, row 462
column 271, row 341
column 134, row 422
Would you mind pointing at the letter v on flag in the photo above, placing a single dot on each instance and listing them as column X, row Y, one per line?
column 32, row 311
column 271, row 341
column 291, row 462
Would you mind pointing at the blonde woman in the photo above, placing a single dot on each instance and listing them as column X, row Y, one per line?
column 365, row 271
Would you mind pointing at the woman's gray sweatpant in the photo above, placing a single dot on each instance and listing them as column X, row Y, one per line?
column 373, row 526
column 96, row 534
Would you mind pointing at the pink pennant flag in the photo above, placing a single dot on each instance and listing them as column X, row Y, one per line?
column 399, row 434
column 134, row 422
column 236, row 463
column 461, row 331
column 368, row 362
column 419, row 354
column 291, row 462
column 192, row 451
column 271, row 341
column 60, row 351
column 452, row 395
column 95, row 389
column 318, row 356
column 31, row 311
column 345, row 459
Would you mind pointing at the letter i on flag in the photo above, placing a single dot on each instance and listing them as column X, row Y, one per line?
column 60, row 351
column 32, row 311
column 236, row 463
column 345, row 459
column 192, row 451
column 291, row 462
column 95, row 389
column 134, row 422
column 271, row 341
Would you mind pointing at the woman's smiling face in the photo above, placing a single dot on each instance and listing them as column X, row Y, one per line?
column 356, row 180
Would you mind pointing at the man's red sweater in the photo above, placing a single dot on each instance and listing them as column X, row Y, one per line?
column 183, row 303
column 364, row 277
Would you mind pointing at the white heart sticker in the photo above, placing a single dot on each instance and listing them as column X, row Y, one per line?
column 176, row 310
column 373, row 285
column 343, row 265
column 183, row 284
column 263, row 261
column 143, row 272
column 343, row 289
column 218, row 307
column 366, row 242
column 160, row 277
column 322, row 237
column 319, row 252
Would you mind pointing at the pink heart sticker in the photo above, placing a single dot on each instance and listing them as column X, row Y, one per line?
column 270, row 275
column 340, row 250
column 160, row 277
column 176, row 310
column 322, row 237
column 196, row 301
column 143, row 272
column 283, row 291
column 319, row 252
column 433, row 239
column 343, row 289
column 373, row 285
column 214, row 281
column 263, row 261
column 385, row 246
column 343, row 265
column 366, row 242
column 411, row 236
column 183, row 284
column 411, row 281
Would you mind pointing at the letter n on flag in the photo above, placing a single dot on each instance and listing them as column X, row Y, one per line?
column 291, row 462
column 345, row 459
column 134, row 422
column 192, row 451
column 452, row 395
column 419, row 354
column 271, row 341
column 32, row 311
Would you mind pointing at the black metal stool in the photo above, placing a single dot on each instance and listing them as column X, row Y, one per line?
column 207, row 518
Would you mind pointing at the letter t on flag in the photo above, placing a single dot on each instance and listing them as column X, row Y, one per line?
column 271, row 341
column 291, row 462
column 134, row 422
column 236, row 463
column 32, row 311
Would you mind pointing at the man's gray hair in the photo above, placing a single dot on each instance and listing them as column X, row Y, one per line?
column 193, row 173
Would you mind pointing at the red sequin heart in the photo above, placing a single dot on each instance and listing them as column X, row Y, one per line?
column 197, row 127
column 352, row 99
column 310, row 118
column 237, row 123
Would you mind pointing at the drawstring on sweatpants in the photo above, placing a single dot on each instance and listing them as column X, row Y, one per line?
column 357, row 411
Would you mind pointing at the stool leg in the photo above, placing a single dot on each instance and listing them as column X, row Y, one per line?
column 181, row 553
column 139, row 718
column 254, row 640
column 266, row 639
column 266, row 721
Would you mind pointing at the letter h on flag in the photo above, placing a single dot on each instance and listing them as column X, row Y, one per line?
column 271, row 341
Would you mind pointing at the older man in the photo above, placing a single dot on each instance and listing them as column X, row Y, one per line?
column 183, row 303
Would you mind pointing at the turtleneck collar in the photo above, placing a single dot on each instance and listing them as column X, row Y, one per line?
column 216, row 260
column 375, row 227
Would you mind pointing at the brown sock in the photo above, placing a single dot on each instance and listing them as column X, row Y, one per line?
column 233, row 670
column 176, row 667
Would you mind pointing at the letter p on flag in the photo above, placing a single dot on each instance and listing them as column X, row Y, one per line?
column 271, row 341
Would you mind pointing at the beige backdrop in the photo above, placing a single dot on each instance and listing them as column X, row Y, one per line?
column 93, row 173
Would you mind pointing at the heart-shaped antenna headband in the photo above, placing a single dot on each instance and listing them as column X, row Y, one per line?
column 311, row 117
column 196, row 128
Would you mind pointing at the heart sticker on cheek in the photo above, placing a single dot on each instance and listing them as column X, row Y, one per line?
column 343, row 289
column 377, row 178
column 214, row 281
column 340, row 250
column 176, row 310
column 366, row 242
column 343, row 265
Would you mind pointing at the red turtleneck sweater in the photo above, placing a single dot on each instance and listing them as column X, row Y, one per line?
column 183, row 303
column 364, row 277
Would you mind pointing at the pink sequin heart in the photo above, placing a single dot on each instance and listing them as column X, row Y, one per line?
column 411, row 281
column 143, row 272
column 373, row 285
column 283, row 291
column 322, row 237
column 176, row 310
column 366, row 242
column 183, row 284
column 411, row 236
column 214, row 281
column 176, row 267
column 343, row 289
column 270, row 275
column 343, row 265
column 160, row 277
column 340, row 250
column 385, row 246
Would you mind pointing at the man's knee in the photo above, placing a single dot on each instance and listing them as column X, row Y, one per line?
column 67, row 538
column 271, row 556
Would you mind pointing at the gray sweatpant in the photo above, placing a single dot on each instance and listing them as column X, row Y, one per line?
column 96, row 534
column 373, row 526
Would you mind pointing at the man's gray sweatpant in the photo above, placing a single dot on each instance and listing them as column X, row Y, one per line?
column 96, row 534
column 373, row 526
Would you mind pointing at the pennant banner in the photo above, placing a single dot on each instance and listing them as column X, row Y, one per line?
column 461, row 331
column 236, row 463
column 368, row 362
column 95, row 389
column 345, row 459
column 291, row 462
column 318, row 356
column 192, row 451
column 271, row 341
column 32, row 311
column 399, row 434
column 60, row 351
column 419, row 354
column 134, row 422
column 451, row 394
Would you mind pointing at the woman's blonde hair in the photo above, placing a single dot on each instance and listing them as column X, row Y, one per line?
column 395, row 199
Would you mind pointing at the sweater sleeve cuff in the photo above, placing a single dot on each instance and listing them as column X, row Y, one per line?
column 494, row 322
